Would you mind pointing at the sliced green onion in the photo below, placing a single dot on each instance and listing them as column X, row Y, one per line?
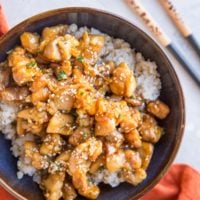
column 61, row 76
column 80, row 59
column 31, row 64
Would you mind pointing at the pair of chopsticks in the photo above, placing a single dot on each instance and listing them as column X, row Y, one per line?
column 164, row 39
column 180, row 24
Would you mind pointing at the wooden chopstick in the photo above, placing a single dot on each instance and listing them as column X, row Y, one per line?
column 180, row 24
column 163, row 38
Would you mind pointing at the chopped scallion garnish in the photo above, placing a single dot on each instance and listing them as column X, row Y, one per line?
column 61, row 76
column 31, row 64
column 80, row 59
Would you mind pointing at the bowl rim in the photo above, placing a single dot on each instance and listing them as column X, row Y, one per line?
column 180, row 132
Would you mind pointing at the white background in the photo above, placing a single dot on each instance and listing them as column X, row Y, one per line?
column 18, row 10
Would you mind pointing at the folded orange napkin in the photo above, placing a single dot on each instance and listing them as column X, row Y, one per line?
column 3, row 22
column 181, row 182
column 4, row 195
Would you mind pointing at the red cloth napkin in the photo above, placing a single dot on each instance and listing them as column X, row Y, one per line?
column 3, row 22
column 4, row 195
column 181, row 182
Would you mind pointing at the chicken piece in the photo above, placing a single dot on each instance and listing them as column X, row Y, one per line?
column 40, row 90
column 79, row 163
column 123, row 81
column 104, row 125
column 99, row 79
column 84, row 120
column 133, row 159
column 20, row 126
column 66, row 67
column 45, row 80
column 115, row 162
column 115, row 138
column 113, row 109
column 84, row 186
column 84, row 154
column 64, row 156
column 133, row 138
column 91, row 46
column 158, row 109
column 48, row 36
column 53, row 185
column 149, row 130
column 34, row 115
column 52, row 144
column 62, row 100
column 105, row 70
column 102, row 86
column 89, row 70
column 17, row 55
column 24, row 69
column 40, row 59
column 110, row 148
column 97, row 165
column 103, row 106
column 5, row 73
column 109, row 115
column 134, row 177
column 63, row 71
column 81, row 134
column 146, row 152
column 31, row 152
column 60, row 48
column 78, row 77
column 31, row 120
column 23, row 127
column 14, row 94
column 86, row 100
column 116, row 98
column 133, row 102
column 39, row 82
column 60, row 163
column 30, row 42
column 69, row 192
column 54, row 31
column 130, row 120
column 40, row 96
column 68, row 47
column 51, row 51
column 61, row 124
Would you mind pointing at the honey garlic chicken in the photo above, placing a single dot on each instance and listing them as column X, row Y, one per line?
column 85, row 117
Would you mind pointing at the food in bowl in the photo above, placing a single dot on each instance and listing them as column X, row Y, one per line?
column 80, row 108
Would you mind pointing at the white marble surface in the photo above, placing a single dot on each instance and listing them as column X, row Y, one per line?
column 18, row 10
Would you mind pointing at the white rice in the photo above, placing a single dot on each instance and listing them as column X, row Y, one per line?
column 24, row 167
column 104, row 176
column 117, row 50
column 148, row 79
column 18, row 143
column 7, row 117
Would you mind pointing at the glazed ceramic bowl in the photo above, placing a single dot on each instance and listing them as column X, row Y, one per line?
column 171, row 93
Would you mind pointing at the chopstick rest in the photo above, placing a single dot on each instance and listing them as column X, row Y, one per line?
column 163, row 38
column 180, row 24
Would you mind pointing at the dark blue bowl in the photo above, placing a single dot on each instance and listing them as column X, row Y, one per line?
column 171, row 93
